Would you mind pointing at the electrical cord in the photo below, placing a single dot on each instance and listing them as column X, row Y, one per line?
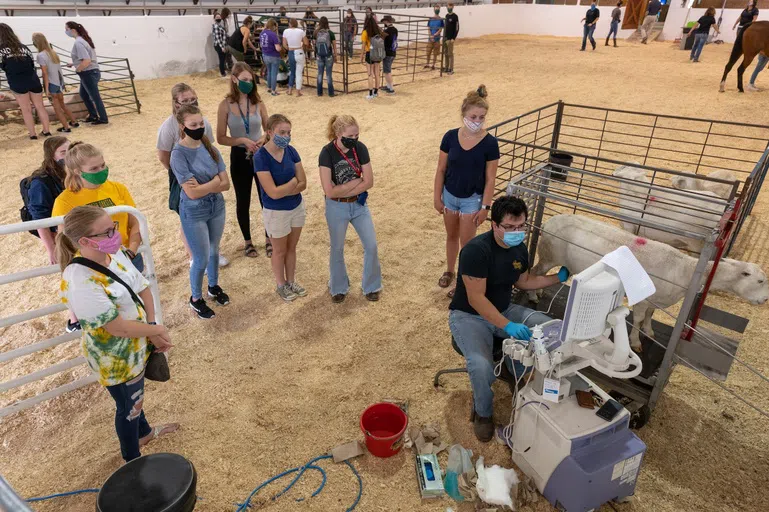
column 61, row 495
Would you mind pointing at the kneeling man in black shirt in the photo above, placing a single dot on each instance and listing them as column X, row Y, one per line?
column 489, row 266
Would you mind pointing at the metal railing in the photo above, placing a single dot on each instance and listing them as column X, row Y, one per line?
column 116, row 86
column 149, row 264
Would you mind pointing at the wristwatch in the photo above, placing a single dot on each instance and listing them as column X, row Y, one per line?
column 152, row 323
column 485, row 207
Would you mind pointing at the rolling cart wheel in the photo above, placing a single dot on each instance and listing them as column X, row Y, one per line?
column 640, row 417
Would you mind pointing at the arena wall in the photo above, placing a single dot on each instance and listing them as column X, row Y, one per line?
column 160, row 46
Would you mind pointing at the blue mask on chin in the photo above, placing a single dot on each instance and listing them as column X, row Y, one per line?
column 513, row 238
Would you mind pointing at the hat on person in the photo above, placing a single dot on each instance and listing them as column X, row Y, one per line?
column 388, row 18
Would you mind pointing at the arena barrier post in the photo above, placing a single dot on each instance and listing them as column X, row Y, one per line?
column 149, row 265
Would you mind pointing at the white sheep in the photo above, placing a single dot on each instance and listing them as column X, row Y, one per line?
column 722, row 190
column 557, row 247
column 683, row 212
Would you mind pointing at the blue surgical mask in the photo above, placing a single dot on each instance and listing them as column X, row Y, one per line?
column 513, row 238
column 281, row 141
column 66, row 31
column 592, row 7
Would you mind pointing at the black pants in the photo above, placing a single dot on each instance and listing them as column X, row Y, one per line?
column 222, row 60
column 243, row 175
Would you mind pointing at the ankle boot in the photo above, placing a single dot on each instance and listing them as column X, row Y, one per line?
column 607, row 42
column 615, row 43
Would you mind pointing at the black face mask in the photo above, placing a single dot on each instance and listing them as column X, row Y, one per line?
column 349, row 142
column 196, row 134
column 60, row 162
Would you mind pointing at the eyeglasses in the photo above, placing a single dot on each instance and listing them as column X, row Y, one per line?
column 188, row 103
column 511, row 227
column 109, row 233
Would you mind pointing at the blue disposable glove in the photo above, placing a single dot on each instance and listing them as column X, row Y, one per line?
column 563, row 274
column 518, row 331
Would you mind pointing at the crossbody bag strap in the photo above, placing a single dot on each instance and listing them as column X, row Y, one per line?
column 107, row 272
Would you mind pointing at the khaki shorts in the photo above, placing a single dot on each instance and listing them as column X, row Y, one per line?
column 278, row 223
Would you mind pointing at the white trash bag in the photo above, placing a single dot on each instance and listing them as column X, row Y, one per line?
column 494, row 484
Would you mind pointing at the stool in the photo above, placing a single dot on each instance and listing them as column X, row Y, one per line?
column 160, row 482
column 497, row 355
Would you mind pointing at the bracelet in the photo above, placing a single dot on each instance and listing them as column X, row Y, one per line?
column 152, row 323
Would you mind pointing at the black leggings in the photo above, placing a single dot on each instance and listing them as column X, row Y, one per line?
column 222, row 60
column 243, row 175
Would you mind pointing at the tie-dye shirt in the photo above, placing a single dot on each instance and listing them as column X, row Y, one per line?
column 96, row 300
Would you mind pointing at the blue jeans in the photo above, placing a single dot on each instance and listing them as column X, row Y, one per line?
column 272, row 64
column 292, row 68
column 699, row 44
column 89, row 92
column 203, row 225
column 130, row 423
column 475, row 338
column 338, row 216
column 138, row 262
column 762, row 60
column 327, row 64
column 348, row 40
column 587, row 32
column 613, row 30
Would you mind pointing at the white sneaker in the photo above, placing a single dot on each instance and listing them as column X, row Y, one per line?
column 370, row 97
column 223, row 261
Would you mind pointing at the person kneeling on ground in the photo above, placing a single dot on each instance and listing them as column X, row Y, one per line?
column 489, row 266
column 117, row 331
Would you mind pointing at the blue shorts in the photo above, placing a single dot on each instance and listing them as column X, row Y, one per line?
column 387, row 64
column 54, row 89
column 463, row 205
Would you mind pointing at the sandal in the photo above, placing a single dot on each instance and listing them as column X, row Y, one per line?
column 268, row 249
column 250, row 250
column 451, row 293
column 446, row 279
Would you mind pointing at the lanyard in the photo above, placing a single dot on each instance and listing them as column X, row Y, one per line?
column 246, row 119
column 356, row 168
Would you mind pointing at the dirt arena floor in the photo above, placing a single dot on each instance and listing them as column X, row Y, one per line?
column 267, row 386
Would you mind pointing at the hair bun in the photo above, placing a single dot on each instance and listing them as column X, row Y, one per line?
column 481, row 91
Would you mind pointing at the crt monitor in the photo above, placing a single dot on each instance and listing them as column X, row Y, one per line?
column 595, row 292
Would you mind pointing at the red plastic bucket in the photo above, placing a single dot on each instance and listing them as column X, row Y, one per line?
column 383, row 426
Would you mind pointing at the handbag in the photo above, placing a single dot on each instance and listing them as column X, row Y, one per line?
column 156, row 367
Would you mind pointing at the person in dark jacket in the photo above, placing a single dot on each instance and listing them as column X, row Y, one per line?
column 45, row 185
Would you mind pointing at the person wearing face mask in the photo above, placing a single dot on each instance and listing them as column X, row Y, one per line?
column 590, row 20
column 220, row 43
column 119, row 333
column 87, row 183
column 452, row 31
column 244, row 114
column 282, row 21
column 652, row 11
column 435, row 25
column 200, row 169
column 490, row 265
column 279, row 170
column 87, row 68
column 346, row 176
column 464, row 179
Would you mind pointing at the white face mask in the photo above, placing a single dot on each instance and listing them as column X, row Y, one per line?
column 472, row 125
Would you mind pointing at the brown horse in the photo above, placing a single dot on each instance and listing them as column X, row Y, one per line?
column 750, row 42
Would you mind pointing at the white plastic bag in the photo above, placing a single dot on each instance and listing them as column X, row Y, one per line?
column 494, row 484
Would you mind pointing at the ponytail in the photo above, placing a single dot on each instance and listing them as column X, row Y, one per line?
column 81, row 31
column 210, row 148
column 77, row 224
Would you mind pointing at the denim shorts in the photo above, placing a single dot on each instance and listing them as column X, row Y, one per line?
column 387, row 64
column 54, row 89
column 463, row 205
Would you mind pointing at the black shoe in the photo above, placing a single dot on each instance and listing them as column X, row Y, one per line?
column 46, row 134
column 90, row 119
column 218, row 295
column 201, row 308
column 483, row 428
column 33, row 137
column 72, row 327
column 338, row 298
column 74, row 125
column 63, row 130
column 99, row 121
column 373, row 296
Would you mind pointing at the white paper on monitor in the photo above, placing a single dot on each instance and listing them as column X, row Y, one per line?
column 637, row 283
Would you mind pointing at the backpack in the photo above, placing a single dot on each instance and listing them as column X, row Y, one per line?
column 24, row 184
column 377, row 51
column 323, row 44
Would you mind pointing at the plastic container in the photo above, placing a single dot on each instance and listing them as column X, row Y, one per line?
column 160, row 482
column 383, row 425
column 564, row 159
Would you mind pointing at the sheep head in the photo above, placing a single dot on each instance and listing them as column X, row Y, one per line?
column 745, row 280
